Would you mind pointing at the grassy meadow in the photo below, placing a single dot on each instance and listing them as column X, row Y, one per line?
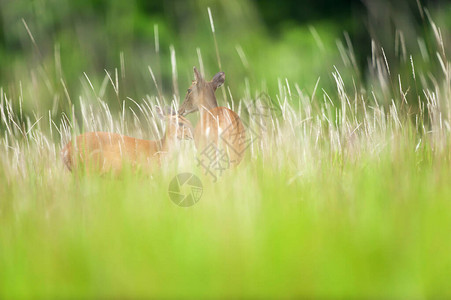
column 345, row 189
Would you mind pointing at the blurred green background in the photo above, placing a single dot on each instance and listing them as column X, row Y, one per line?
column 259, row 43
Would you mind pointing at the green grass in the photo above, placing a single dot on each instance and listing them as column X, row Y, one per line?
column 366, row 229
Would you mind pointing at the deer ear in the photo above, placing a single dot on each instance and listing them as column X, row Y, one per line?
column 197, row 75
column 169, row 110
column 218, row 80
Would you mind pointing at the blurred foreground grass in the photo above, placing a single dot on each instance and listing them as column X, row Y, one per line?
column 375, row 228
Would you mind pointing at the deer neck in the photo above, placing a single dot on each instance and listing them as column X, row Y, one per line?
column 207, row 103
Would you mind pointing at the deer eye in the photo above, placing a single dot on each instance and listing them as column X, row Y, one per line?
column 181, row 124
column 189, row 90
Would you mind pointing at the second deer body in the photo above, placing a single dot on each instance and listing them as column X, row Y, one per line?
column 103, row 152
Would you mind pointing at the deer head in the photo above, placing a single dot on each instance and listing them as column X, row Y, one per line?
column 177, row 126
column 201, row 93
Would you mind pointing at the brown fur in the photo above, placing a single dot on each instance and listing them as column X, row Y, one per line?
column 218, row 125
column 105, row 151
column 222, row 127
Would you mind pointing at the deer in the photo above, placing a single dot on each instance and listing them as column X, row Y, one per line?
column 104, row 152
column 218, row 126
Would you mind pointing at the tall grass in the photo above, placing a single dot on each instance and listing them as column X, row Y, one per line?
column 343, row 193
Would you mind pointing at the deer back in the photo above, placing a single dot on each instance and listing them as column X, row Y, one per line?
column 104, row 151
